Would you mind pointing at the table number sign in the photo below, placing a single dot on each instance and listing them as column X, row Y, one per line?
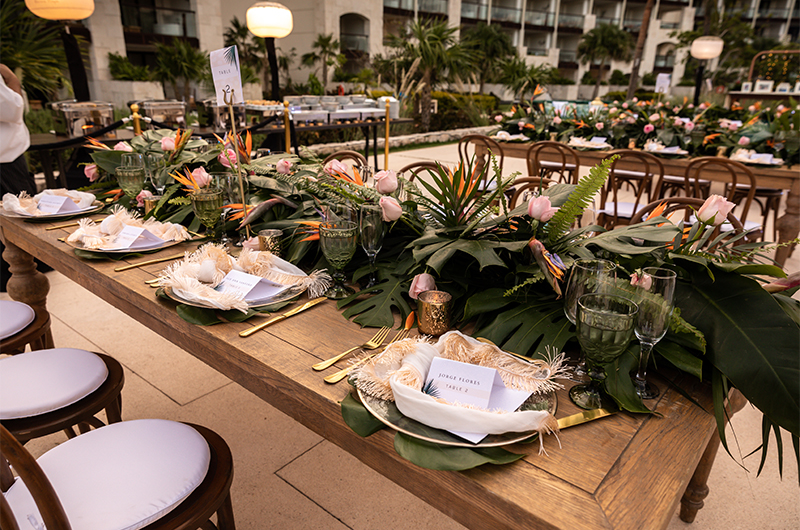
column 57, row 204
column 227, row 75
column 134, row 238
column 249, row 286
column 470, row 384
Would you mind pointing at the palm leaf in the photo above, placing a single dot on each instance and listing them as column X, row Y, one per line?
column 376, row 311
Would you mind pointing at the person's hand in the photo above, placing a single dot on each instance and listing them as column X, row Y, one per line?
column 10, row 79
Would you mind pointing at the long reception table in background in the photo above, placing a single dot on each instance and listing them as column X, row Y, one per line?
column 624, row 471
column 768, row 177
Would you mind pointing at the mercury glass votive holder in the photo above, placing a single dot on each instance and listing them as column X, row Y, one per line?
column 270, row 241
column 433, row 312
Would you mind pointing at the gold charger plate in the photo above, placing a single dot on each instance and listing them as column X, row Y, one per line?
column 292, row 292
column 388, row 413
column 166, row 244
column 95, row 207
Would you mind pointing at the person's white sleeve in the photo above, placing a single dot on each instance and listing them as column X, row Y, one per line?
column 11, row 105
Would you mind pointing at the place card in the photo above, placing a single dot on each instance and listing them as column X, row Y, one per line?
column 57, row 204
column 671, row 150
column 474, row 385
column 250, row 287
column 761, row 158
column 227, row 75
column 135, row 238
column 599, row 139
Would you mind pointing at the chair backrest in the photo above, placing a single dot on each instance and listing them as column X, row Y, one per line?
column 342, row 156
column 565, row 167
column 410, row 171
column 525, row 186
column 482, row 145
column 737, row 172
column 649, row 169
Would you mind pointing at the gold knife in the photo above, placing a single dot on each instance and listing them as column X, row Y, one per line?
column 148, row 262
column 583, row 417
column 310, row 303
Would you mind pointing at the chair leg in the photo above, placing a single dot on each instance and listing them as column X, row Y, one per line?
column 225, row 515
column 114, row 411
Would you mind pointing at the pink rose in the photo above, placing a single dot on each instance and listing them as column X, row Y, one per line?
column 144, row 194
column 201, row 177
column 168, row 143
column 654, row 117
column 751, row 109
column 521, row 125
column 702, row 106
column 715, row 210
column 649, row 128
column 540, row 209
column 613, row 109
column 599, row 125
column 283, row 166
column 385, row 181
column 91, row 172
column 392, row 211
column 635, row 100
column 630, row 120
column 251, row 243
column 122, row 146
column 556, row 120
column 227, row 157
column 744, row 140
column 625, row 105
column 676, row 110
column 780, row 108
column 678, row 122
column 643, row 280
column 689, row 126
column 421, row 283
column 691, row 105
column 498, row 118
column 733, row 126
column 334, row 166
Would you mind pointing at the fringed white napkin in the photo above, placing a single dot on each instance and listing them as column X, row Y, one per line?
column 194, row 279
column 94, row 236
column 399, row 373
column 24, row 204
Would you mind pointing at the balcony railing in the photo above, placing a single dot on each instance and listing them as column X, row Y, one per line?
column 354, row 42
column 670, row 25
column 506, row 14
column 407, row 5
column 664, row 61
column 474, row 11
column 570, row 21
column 537, row 52
column 632, row 24
column 607, row 20
column 433, row 6
column 539, row 18
column 773, row 13
column 159, row 21
column 567, row 56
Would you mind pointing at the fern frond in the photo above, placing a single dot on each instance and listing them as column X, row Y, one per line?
column 431, row 389
column 578, row 200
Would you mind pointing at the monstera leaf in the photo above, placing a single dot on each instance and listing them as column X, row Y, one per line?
column 483, row 250
column 376, row 311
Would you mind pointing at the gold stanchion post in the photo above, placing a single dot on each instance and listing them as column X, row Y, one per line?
column 229, row 103
column 386, row 142
column 286, row 127
column 137, row 126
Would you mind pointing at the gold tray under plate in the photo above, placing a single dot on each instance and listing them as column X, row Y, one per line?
column 166, row 244
column 46, row 217
column 388, row 413
column 292, row 292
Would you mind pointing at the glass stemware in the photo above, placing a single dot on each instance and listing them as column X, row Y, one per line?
column 338, row 242
column 654, row 294
column 587, row 276
column 231, row 195
column 153, row 163
column 605, row 326
column 372, row 230
column 207, row 206
column 130, row 179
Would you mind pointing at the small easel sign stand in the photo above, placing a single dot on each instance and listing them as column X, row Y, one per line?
column 228, row 88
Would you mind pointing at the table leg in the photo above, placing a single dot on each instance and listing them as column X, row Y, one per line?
column 697, row 490
column 789, row 223
column 26, row 283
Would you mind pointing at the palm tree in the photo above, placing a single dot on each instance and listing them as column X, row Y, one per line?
column 180, row 62
column 604, row 43
column 434, row 44
column 523, row 78
column 326, row 52
column 490, row 46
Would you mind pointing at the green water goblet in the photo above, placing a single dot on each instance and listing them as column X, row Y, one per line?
column 604, row 325
column 207, row 206
column 338, row 242
column 130, row 179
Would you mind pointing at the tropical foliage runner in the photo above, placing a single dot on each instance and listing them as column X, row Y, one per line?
column 735, row 324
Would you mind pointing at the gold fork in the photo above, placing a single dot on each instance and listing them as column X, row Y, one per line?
column 371, row 344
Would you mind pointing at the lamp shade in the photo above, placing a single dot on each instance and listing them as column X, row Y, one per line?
column 706, row 47
column 269, row 19
column 61, row 9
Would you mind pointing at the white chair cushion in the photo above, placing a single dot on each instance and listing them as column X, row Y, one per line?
column 624, row 209
column 14, row 317
column 45, row 380
column 120, row 477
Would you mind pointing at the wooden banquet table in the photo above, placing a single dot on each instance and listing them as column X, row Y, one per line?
column 623, row 471
column 767, row 177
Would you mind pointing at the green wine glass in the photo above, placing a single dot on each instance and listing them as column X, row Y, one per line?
column 604, row 325
column 130, row 179
column 207, row 206
column 338, row 242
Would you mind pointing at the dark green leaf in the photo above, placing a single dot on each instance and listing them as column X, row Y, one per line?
column 197, row 315
column 485, row 301
column 680, row 358
column 618, row 381
column 358, row 418
column 444, row 458
column 376, row 310
column 525, row 328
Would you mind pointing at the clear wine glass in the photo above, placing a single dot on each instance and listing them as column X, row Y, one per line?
column 207, row 206
column 338, row 242
column 655, row 291
column 371, row 229
column 153, row 163
column 586, row 276
column 231, row 195
column 605, row 326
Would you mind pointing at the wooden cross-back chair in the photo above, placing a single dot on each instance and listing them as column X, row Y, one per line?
column 565, row 168
column 24, row 325
column 411, row 171
column 525, row 187
column 356, row 158
column 479, row 143
column 153, row 474
column 649, row 171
